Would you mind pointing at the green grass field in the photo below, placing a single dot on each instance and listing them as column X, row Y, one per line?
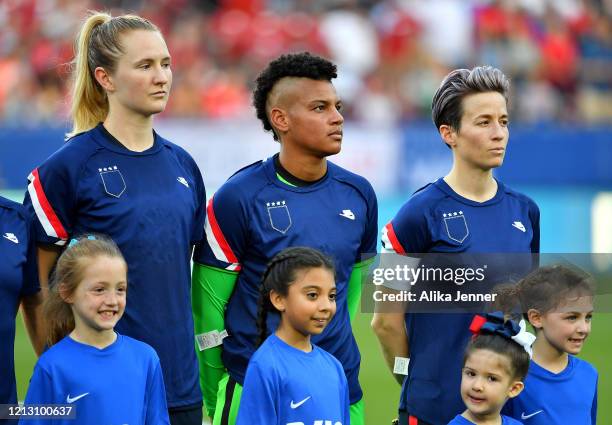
column 380, row 389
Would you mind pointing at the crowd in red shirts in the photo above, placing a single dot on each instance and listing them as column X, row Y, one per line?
column 391, row 54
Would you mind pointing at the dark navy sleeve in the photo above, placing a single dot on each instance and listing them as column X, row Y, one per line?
column 226, row 230
column 508, row 408
column 534, row 216
column 198, row 225
column 347, row 403
column 370, row 236
column 156, row 407
column 408, row 232
column 510, row 421
column 594, row 406
column 30, row 281
column 258, row 403
column 51, row 198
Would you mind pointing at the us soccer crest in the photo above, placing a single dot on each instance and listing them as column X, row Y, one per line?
column 280, row 219
column 456, row 226
column 113, row 181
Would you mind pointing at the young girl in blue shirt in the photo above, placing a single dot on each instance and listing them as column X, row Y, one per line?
column 289, row 379
column 107, row 378
column 494, row 368
column 560, row 388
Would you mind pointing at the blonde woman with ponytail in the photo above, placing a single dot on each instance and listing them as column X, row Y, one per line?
column 116, row 176
column 107, row 377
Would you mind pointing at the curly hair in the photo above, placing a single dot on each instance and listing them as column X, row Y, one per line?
column 300, row 65
column 544, row 289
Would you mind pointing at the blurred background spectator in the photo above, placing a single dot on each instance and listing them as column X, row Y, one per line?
column 391, row 54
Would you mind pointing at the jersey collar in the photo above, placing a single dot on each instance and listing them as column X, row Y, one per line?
column 271, row 170
column 108, row 141
column 444, row 187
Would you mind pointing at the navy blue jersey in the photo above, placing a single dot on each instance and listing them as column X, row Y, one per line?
column 284, row 385
column 18, row 278
column 437, row 220
column 151, row 204
column 568, row 397
column 505, row 420
column 120, row 384
column 254, row 216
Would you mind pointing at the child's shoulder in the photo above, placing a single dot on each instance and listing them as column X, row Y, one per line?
column 267, row 351
column 55, row 353
column 460, row 420
column 576, row 370
column 507, row 420
column 269, row 360
column 274, row 348
column 582, row 366
column 330, row 362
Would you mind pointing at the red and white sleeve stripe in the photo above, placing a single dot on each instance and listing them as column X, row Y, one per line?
column 390, row 242
column 44, row 211
column 217, row 242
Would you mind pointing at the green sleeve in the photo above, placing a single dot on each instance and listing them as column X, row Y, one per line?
column 211, row 289
column 358, row 275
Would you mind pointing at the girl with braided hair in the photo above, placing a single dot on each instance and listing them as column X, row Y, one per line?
column 283, row 382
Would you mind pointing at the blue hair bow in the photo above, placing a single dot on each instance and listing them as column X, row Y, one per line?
column 74, row 241
column 494, row 323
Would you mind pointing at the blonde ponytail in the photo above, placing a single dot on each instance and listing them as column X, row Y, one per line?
column 97, row 45
column 89, row 103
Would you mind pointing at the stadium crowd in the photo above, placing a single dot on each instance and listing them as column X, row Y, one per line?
column 391, row 54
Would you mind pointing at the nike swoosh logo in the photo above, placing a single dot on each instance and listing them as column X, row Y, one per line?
column 298, row 404
column 73, row 399
column 348, row 215
column 11, row 238
column 524, row 416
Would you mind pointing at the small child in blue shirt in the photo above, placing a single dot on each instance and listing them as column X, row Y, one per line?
column 494, row 367
column 560, row 388
column 105, row 377
column 289, row 379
